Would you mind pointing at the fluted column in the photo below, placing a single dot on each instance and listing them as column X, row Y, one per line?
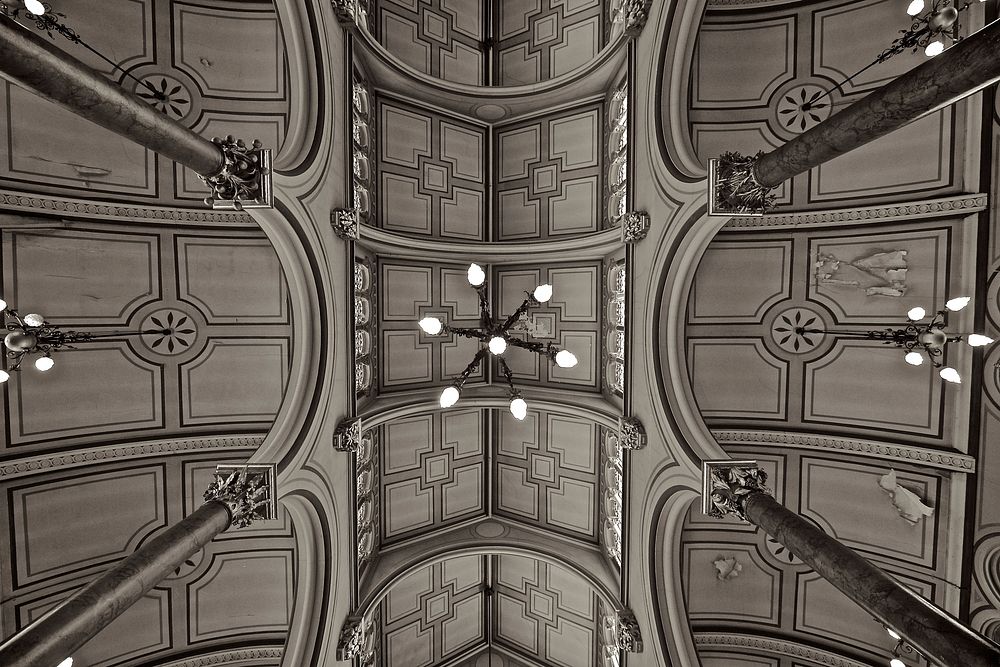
column 238, row 496
column 737, row 488
column 741, row 185
column 237, row 174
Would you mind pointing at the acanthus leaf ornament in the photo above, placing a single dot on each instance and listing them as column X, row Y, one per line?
column 733, row 188
column 352, row 643
column 726, row 486
column 629, row 637
column 634, row 14
column 347, row 436
column 351, row 12
column 631, row 434
column 346, row 224
column 635, row 225
column 247, row 490
column 244, row 179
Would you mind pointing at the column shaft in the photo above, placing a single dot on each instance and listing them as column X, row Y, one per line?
column 966, row 67
column 34, row 63
column 57, row 634
column 933, row 632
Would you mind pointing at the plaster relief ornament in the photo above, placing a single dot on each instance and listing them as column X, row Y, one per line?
column 728, row 568
column 907, row 503
column 728, row 486
column 246, row 491
column 879, row 274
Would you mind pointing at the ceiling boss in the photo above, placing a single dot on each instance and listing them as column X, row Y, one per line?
column 494, row 334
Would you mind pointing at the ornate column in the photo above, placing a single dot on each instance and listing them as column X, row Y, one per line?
column 738, row 488
column 238, row 175
column 741, row 185
column 238, row 496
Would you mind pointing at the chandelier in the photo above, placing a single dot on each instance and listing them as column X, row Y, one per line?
column 494, row 334
column 917, row 338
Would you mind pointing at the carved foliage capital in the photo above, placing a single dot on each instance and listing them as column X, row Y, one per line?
column 248, row 491
column 629, row 637
column 726, row 485
column 631, row 434
column 733, row 188
column 634, row 14
column 244, row 179
column 346, row 224
column 347, row 435
column 354, row 641
column 351, row 12
column 635, row 226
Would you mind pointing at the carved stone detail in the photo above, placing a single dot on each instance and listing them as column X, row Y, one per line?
column 733, row 188
column 244, row 181
column 633, row 14
column 726, row 485
column 346, row 224
column 351, row 643
column 629, row 637
column 347, row 436
column 631, row 434
column 248, row 491
column 635, row 226
column 777, row 647
column 351, row 12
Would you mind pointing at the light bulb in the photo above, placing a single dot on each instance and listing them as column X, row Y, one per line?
column 36, row 8
column 3, row 305
column 476, row 275
column 914, row 359
column 430, row 325
column 915, row 7
column 916, row 314
column 518, row 408
column 4, row 376
column 497, row 345
column 896, row 662
column 958, row 303
column 34, row 320
column 978, row 340
column 565, row 359
column 934, row 48
column 449, row 396
column 949, row 374
column 44, row 363
column 893, row 634
column 543, row 293
column 68, row 662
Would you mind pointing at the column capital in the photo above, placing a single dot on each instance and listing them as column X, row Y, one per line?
column 726, row 485
column 346, row 224
column 733, row 188
column 244, row 179
column 354, row 640
column 351, row 12
column 629, row 637
column 631, row 433
column 347, row 435
column 635, row 226
column 247, row 490
column 634, row 14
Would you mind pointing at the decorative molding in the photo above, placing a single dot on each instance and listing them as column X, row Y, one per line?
column 346, row 224
column 635, row 225
column 631, row 434
column 953, row 461
column 733, row 188
column 726, row 486
column 629, row 636
column 351, row 643
column 933, row 208
column 347, row 435
column 351, row 12
column 38, row 464
column 634, row 13
column 781, row 647
column 235, row 656
column 49, row 204
column 248, row 491
column 244, row 179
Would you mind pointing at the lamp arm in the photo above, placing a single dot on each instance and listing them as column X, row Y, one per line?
column 523, row 308
column 470, row 369
column 508, row 375
column 462, row 331
column 485, row 317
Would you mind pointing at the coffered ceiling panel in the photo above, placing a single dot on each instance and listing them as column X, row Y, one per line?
column 180, row 50
column 440, row 37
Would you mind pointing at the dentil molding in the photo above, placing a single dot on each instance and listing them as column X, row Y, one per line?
column 718, row 640
column 49, row 204
column 236, row 656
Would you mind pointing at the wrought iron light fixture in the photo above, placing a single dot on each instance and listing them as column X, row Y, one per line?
column 495, row 335
column 32, row 335
column 919, row 340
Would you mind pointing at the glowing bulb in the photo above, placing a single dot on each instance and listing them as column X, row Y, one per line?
column 914, row 359
column 893, row 634
column 978, row 340
column 915, row 7
column 4, row 376
column 3, row 305
column 449, row 396
column 44, row 363
column 896, row 662
column 497, row 345
column 916, row 314
column 949, row 374
column 519, row 408
column 934, row 48
column 34, row 320
column 430, row 325
column 36, row 8
column 958, row 303
column 565, row 359
column 476, row 275
column 543, row 293
column 68, row 662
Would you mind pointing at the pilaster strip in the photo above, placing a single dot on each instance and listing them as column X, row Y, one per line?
column 50, row 204
column 718, row 640
column 932, row 208
column 947, row 460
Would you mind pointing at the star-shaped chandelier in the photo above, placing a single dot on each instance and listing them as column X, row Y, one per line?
column 495, row 335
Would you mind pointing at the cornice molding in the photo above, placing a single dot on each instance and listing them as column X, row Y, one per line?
column 948, row 460
column 98, row 210
column 931, row 208
column 745, row 4
column 33, row 465
column 719, row 640
column 229, row 657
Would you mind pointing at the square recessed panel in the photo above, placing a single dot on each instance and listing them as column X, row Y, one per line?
column 436, row 468
column 545, row 29
column 436, row 607
column 542, row 467
column 545, row 178
column 435, row 27
column 542, row 605
column 435, row 177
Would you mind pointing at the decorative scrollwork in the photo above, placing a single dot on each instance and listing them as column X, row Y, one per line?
column 629, row 637
column 244, row 180
column 346, row 224
column 734, row 189
column 347, row 436
column 247, row 490
column 631, row 434
column 635, row 226
column 726, row 485
column 47, row 22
